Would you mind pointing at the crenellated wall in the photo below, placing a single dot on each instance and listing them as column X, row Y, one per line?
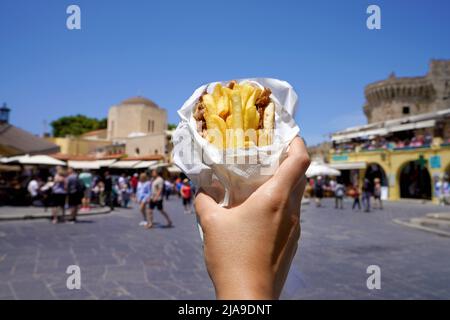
column 399, row 97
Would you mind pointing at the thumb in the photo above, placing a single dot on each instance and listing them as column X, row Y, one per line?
column 204, row 204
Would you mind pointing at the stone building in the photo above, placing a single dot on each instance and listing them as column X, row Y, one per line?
column 398, row 97
column 139, row 125
column 406, row 143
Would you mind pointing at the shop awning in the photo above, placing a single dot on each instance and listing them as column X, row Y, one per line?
column 34, row 160
column 90, row 165
column 124, row 164
column 349, row 165
column 144, row 164
column 413, row 125
column 105, row 163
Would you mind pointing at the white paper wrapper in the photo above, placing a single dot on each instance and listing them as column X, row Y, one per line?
column 239, row 172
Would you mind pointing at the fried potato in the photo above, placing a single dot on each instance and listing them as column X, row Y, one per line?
column 251, row 118
column 210, row 104
column 246, row 91
column 216, row 129
column 217, row 92
column 223, row 106
column 236, row 110
column 229, row 122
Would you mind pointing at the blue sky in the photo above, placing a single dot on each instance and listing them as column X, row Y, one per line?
column 165, row 49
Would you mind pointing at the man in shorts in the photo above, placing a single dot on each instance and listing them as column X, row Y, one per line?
column 156, row 200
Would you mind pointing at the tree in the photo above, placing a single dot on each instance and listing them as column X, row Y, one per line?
column 76, row 125
column 171, row 126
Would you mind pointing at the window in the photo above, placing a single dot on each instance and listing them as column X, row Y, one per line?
column 137, row 150
column 405, row 110
column 149, row 125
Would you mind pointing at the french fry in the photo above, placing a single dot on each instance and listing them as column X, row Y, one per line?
column 252, row 99
column 250, row 115
column 236, row 110
column 237, row 121
column 217, row 92
column 223, row 106
column 216, row 129
column 229, row 122
column 246, row 91
column 210, row 104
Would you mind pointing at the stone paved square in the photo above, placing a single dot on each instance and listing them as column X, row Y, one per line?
column 120, row 260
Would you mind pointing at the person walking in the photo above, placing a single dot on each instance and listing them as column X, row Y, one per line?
column 143, row 190
column 318, row 191
column 168, row 187
column 86, row 178
column 125, row 193
column 75, row 190
column 33, row 190
column 339, row 193
column 366, row 194
column 58, row 198
column 156, row 200
column 108, row 190
column 134, row 182
column 186, row 195
column 354, row 193
column 377, row 194
column 46, row 191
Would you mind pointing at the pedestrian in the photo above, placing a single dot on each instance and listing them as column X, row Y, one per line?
column 339, row 193
column 125, row 193
column 143, row 196
column 108, row 190
column 186, row 194
column 377, row 193
column 156, row 200
column 354, row 193
column 366, row 194
column 318, row 191
column 167, row 188
column 58, row 198
column 46, row 191
column 75, row 191
column 134, row 182
column 87, row 179
column 178, row 185
column 33, row 190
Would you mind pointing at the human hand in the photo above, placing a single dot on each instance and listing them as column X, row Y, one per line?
column 249, row 248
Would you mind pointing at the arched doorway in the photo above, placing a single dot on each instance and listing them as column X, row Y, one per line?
column 415, row 181
column 375, row 171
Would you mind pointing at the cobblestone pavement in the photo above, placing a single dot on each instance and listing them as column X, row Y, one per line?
column 120, row 260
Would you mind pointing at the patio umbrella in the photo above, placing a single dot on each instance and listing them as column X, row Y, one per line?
column 41, row 160
column 36, row 160
column 321, row 169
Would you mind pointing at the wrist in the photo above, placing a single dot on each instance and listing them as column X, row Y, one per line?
column 252, row 287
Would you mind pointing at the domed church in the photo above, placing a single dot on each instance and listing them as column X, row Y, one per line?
column 140, row 125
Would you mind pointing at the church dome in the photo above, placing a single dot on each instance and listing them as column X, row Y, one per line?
column 139, row 100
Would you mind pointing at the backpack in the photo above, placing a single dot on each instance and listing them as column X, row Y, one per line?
column 339, row 191
column 80, row 187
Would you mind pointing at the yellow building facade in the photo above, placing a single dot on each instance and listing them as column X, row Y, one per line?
column 435, row 161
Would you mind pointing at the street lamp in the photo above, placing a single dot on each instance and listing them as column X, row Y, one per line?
column 4, row 114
